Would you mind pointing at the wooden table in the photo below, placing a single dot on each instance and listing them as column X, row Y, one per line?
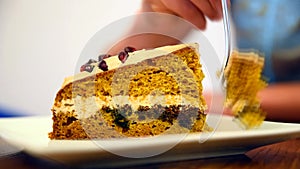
column 280, row 155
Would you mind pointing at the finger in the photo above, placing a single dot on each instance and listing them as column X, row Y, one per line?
column 155, row 6
column 188, row 11
column 146, row 6
column 208, row 8
column 217, row 5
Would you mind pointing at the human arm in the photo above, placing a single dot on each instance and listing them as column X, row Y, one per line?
column 281, row 101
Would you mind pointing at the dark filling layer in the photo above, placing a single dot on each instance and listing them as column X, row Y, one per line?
column 118, row 122
column 185, row 115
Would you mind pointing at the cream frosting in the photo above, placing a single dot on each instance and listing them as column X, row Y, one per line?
column 84, row 107
column 113, row 62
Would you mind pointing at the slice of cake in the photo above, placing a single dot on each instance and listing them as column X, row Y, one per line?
column 243, row 82
column 136, row 93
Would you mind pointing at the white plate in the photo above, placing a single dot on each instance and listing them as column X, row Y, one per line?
column 30, row 134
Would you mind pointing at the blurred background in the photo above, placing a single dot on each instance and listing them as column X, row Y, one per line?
column 41, row 41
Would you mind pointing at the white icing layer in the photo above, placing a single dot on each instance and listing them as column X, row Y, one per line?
column 113, row 62
column 141, row 55
column 85, row 107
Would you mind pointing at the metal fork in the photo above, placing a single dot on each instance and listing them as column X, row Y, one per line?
column 227, row 31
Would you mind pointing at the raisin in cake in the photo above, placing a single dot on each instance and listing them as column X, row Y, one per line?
column 133, row 94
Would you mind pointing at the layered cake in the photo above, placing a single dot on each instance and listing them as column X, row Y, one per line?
column 244, row 81
column 135, row 93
